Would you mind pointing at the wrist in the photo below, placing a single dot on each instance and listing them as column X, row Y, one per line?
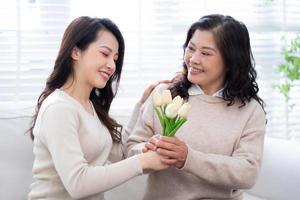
column 143, row 161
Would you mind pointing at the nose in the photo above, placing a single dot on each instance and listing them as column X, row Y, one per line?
column 111, row 65
column 195, row 58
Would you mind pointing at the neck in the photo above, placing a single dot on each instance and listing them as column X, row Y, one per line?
column 210, row 91
column 79, row 91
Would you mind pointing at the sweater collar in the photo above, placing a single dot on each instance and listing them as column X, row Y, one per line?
column 196, row 90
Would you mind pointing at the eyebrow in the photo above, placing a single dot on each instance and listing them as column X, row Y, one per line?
column 204, row 47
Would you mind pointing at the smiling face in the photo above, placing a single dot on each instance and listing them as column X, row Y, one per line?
column 204, row 62
column 95, row 65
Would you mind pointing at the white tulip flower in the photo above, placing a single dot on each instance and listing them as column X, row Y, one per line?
column 177, row 101
column 171, row 110
column 157, row 99
column 183, row 110
column 171, row 113
column 166, row 97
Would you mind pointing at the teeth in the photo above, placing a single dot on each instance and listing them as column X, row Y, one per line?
column 192, row 69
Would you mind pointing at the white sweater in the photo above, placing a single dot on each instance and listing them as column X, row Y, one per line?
column 71, row 149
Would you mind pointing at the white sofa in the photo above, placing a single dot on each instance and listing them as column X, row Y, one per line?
column 280, row 174
column 279, row 178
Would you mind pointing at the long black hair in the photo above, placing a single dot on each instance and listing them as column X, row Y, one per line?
column 80, row 33
column 232, row 39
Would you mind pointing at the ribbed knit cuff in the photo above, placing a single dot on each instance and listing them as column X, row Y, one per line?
column 189, row 164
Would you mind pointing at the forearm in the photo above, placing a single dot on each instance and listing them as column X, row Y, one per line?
column 133, row 118
column 88, row 180
column 137, row 140
column 142, row 132
column 119, row 150
column 238, row 171
column 224, row 171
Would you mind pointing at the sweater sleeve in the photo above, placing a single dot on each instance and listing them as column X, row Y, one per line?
column 143, row 129
column 59, row 126
column 119, row 150
column 240, row 170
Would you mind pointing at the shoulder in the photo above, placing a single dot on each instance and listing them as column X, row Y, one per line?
column 56, row 105
column 255, row 111
column 255, row 106
column 55, row 115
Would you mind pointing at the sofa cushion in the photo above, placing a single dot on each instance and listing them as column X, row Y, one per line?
column 16, row 159
column 248, row 196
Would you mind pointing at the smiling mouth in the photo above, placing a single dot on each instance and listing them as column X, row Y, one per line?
column 104, row 75
column 194, row 70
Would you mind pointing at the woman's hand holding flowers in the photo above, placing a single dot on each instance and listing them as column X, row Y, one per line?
column 173, row 151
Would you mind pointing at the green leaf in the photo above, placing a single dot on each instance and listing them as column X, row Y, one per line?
column 168, row 126
column 178, row 125
column 160, row 117
column 290, row 69
column 285, row 90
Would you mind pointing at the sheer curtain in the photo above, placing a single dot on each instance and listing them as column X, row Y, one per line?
column 154, row 31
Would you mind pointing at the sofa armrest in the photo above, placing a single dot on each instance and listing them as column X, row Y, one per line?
column 279, row 178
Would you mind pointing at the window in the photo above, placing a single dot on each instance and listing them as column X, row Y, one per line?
column 154, row 32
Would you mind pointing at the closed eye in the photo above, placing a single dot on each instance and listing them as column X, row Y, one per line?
column 190, row 48
column 206, row 53
column 104, row 54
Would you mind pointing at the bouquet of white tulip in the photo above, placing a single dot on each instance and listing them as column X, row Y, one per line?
column 171, row 112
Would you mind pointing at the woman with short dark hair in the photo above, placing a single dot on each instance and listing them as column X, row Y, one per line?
column 217, row 153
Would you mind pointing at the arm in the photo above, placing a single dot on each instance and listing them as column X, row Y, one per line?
column 144, row 127
column 60, row 124
column 119, row 150
column 239, row 170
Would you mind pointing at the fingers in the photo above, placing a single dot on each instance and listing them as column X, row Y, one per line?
column 145, row 149
column 172, row 151
column 153, row 161
column 176, row 159
column 168, row 161
column 173, row 140
column 173, row 148
column 165, row 81
column 167, row 153
column 167, row 145
column 150, row 146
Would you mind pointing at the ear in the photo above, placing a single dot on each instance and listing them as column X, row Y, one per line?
column 75, row 53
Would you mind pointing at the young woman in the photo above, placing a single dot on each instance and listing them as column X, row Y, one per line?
column 73, row 134
column 217, row 153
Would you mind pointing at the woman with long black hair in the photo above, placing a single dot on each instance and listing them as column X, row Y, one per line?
column 73, row 134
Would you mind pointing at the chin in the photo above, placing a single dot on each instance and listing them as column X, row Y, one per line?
column 100, row 85
column 192, row 79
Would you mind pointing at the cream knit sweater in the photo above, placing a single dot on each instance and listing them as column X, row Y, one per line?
column 71, row 149
column 225, row 145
